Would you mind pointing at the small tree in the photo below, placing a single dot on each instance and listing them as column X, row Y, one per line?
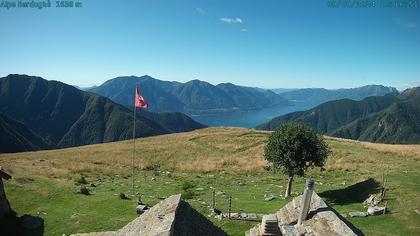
column 295, row 147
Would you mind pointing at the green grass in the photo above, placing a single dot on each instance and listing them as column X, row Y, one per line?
column 343, row 184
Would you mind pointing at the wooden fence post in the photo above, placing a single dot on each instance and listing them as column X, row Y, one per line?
column 230, row 206
column 214, row 200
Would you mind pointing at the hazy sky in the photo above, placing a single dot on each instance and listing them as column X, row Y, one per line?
column 260, row 43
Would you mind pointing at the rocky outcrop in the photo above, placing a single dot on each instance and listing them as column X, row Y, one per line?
column 4, row 204
column 321, row 220
column 169, row 217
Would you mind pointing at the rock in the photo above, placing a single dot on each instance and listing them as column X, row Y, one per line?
column 140, row 209
column 124, row 196
column 240, row 183
column 233, row 215
column 376, row 210
column 210, row 176
column 171, row 216
column 324, row 220
column 93, row 185
column 372, row 200
column 153, row 179
column 252, row 216
column 199, row 189
column 417, row 211
column 220, row 193
column 358, row 214
column 269, row 198
column 32, row 225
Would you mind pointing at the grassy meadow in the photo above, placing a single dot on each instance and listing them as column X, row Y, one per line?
column 228, row 160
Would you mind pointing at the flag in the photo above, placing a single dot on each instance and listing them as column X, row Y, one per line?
column 139, row 100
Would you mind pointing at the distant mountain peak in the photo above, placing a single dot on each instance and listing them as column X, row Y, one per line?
column 193, row 97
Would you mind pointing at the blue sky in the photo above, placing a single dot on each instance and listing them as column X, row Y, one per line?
column 263, row 43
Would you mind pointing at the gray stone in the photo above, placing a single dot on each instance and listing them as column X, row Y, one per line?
column 372, row 200
column 322, row 220
column 4, row 204
column 171, row 216
column 232, row 215
column 252, row 216
column 376, row 210
column 199, row 189
column 358, row 214
column 269, row 198
column 32, row 225
column 140, row 209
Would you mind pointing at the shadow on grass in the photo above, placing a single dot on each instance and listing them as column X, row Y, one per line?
column 25, row 225
column 355, row 193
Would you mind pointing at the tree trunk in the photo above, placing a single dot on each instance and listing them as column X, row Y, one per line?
column 289, row 186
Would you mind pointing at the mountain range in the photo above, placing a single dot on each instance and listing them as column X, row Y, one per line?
column 40, row 114
column 316, row 96
column 392, row 118
column 194, row 97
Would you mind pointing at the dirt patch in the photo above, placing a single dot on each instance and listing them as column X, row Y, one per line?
column 24, row 180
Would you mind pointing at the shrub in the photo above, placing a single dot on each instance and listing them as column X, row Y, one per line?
column 152, row 167
column 82, row 180
column 188, row 194
column 187, row 185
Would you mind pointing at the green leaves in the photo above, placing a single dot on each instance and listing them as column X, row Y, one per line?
column 295, row 147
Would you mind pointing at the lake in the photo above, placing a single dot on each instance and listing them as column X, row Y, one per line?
column 249, row 119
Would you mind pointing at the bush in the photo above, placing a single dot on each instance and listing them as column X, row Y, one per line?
column 188, row 194
column 82, row 180
column 152, row 167
column 187, row 185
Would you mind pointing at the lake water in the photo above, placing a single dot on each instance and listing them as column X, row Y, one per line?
column 249, row 119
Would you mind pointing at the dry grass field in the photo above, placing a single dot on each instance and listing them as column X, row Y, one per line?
column 228, row 154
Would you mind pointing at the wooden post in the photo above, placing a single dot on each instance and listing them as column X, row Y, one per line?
column 386, row 203
column 214, row 200
column 383, row 191
column 230, row 206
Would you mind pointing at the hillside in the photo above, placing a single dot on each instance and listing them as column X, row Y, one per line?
column 316, row 96
column 227, row 160
column 65, row 116
column 399, row 123
column 391, row 118
column 16, row 137
column 193, row 97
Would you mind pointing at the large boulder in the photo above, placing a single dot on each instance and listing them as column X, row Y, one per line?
column 171, row 216
column 4, row 204
column 322, row 220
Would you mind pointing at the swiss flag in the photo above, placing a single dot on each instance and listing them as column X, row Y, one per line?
column 139, row 100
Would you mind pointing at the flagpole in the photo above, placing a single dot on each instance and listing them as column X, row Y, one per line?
column 134, row 141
